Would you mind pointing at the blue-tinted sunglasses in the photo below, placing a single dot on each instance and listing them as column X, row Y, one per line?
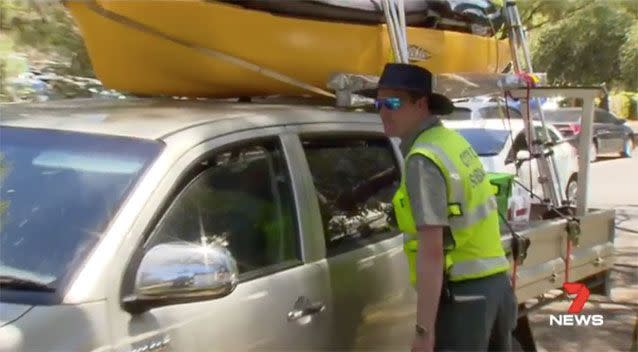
column 390, row 103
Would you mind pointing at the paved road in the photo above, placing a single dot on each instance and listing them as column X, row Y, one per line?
column 614, row 185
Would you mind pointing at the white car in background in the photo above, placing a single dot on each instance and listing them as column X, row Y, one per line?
column 502, row 147
column 480, row 108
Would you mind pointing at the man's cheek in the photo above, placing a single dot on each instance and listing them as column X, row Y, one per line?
column 386, row 120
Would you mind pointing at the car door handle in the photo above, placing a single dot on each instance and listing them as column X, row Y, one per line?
column 310, row 309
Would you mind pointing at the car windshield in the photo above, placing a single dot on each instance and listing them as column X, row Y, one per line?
column 486, row 142
column 58, row 193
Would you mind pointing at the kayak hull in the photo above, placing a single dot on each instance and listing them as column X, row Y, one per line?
column 173, row 48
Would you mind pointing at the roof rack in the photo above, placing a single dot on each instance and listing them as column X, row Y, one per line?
column 353, row 90
column 310, row 100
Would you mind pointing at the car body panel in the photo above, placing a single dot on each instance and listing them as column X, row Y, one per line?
column 367, row 300
column 609, row 132
column 11, row 311
column 81, row 327
column 361, row 289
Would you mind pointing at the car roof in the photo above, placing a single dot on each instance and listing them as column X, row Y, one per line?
column 478, row 104
column 514, row 125
column 565, row 109
column 157, row 118
column 572, row 108
column 473, row 105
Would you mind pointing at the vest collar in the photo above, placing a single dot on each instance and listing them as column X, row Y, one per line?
column 408, row 141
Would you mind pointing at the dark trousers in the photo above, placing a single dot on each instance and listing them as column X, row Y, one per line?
column 478, row 315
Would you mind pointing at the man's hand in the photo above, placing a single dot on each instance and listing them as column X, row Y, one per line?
column 423, row 343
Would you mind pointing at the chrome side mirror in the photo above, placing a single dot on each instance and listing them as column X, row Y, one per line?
column 181, row 272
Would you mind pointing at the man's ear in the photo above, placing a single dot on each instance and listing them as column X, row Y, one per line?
column 423, row 103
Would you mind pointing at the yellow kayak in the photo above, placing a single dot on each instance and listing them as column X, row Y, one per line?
column 216, row 49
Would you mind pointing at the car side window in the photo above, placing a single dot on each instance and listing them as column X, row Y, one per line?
column 603, row 117
column 490, row 112
column 240, row 197
column 355, row 179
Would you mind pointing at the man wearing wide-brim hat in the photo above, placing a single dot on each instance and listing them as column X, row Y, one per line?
column 446, row 208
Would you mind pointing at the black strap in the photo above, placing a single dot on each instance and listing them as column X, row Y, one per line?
column 446, row 294
column 520, row 244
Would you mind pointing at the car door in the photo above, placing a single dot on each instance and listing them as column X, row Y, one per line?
column 355, row 176
column 618, row 130
column 608, row 133
column 243, row 195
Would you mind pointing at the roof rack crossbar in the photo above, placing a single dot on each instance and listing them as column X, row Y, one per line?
column 352, row 89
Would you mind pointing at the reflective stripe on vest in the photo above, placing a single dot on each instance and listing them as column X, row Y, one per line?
column 477, row 266
column 472, row 210
column 477, row 214
column 457, row 193
column 466, row 220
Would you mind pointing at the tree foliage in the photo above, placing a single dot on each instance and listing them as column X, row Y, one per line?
column 46, row 27
column 629, row 59
column 583, row 42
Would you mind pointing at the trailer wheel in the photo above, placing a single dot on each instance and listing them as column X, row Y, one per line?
column 572, row 190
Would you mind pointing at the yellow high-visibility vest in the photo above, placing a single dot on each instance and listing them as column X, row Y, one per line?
column 472, row 209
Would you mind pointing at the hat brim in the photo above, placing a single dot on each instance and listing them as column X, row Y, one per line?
column 438, row 104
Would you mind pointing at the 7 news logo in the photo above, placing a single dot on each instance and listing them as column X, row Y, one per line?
column 574, row 318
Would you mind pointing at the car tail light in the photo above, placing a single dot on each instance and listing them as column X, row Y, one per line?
column 575, row 128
